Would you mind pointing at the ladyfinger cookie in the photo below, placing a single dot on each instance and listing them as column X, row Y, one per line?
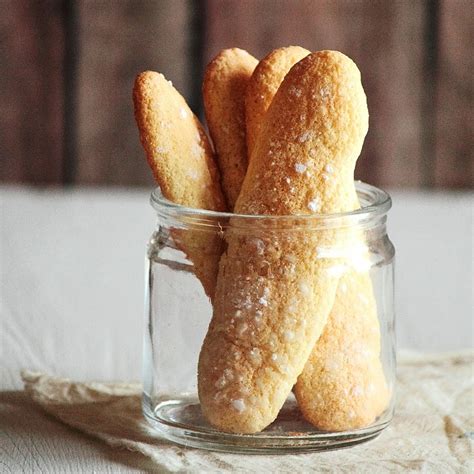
column 343, row 386
column 274, row 292
column 335, row 390
column 181, row 158
column 224, row 86
column 263, row 85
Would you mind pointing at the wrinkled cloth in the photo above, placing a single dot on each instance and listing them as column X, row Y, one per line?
column 432, row 431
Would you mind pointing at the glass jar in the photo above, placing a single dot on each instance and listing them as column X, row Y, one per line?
column 310, row 340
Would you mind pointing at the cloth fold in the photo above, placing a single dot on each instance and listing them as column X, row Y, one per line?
column 433, row 429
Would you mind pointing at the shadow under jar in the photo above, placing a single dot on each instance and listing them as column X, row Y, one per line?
column 344, row 393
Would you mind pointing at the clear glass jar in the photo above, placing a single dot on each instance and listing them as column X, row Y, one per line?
column 316, row 312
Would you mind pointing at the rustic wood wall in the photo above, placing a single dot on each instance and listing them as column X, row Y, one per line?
column 68, row 68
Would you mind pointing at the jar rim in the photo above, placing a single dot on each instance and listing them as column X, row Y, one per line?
column 375, row 203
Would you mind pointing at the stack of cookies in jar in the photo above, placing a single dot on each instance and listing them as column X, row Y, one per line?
column 285, row 135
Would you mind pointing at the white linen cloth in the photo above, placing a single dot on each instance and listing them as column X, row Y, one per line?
column 433, row 429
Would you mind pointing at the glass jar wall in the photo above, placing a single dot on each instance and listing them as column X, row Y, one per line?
column 270, row 333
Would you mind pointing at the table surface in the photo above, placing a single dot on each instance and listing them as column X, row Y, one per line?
column 71, row 301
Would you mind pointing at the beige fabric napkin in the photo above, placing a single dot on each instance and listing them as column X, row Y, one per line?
column 433, row 429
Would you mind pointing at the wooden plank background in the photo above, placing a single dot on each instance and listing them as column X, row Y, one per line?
column 68, row 68
column 32, row 39
column 454, row 120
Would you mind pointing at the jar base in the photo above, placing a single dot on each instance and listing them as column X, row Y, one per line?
column 181, row 422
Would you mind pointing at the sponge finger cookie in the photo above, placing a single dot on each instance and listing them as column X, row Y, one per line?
column 273, row 296
column 224, row 86
column 263, row 85
column 343, row 385
column 182, row 162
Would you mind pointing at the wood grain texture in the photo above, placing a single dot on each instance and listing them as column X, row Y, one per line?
column 56, row 130
column 117, row 41
column 31, row 91
column 384, row 38
column 454, row 119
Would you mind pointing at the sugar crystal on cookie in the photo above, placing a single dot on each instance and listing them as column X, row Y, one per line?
column 258, row 319
column 294, row 91
column 300, row 167
column 305, row 136
column 328, row 168
column 314, row 204
column 241, row 328
column 357, row 391
column 162, row 149
column 263, row 300
column 221, row 382
column 304, row 288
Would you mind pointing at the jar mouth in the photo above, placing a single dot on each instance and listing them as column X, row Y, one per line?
column 375, row 203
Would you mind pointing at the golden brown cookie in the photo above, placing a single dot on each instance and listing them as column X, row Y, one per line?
column 343, row 386
column 327, row 396
column 224, row 86
column 274, row 290
column 181, row 158
column 263, row 85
